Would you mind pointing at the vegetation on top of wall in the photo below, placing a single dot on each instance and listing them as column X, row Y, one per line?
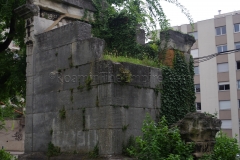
column 160, row 142
column 177, row 94
column 145, row 61
column 118, row 22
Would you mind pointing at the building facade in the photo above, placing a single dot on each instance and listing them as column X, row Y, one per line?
column 217, row 81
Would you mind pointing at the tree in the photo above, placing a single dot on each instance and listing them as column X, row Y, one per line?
column 118, row 21
column 10, row 24
column 12, row 63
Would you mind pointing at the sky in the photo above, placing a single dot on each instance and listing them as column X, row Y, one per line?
column 198, row 9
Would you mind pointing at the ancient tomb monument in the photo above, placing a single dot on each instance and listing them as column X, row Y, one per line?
column 76, row 100
column 201, row 129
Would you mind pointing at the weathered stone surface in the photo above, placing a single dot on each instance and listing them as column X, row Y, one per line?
column 81, row 3
column 141, row 36
column 63, row 55
column 40, row 141
column 64, row 35
column 29, row 102
column 126, row 96
column 176, row 40
column 105, row 111
column 27, row 10
column 28, row 123
column 88, row 50
column 200, row 129
column 28, row 143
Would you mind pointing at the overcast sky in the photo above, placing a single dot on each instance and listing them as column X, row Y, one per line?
column 199, row 9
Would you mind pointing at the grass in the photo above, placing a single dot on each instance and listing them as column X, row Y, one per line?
column 145, row 62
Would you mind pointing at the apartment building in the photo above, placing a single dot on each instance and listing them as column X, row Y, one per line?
column 217, row 81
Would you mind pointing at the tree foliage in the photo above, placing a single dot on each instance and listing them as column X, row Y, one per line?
column 12, row 63
column 11, row 25
column 160, row 142
column 6, row 156
column 118, row 22
column 226, row 148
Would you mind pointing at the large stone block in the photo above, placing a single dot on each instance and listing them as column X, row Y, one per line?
column 38, row 123
column 88, row 50
column 81, row 3
column 70, row 78
column 46, row 62
column 30, row 65
column 47, row 82
column 49, row 119
column 40, row 142
column 29, row 104
column 63, row 35
column 28, row 148
column 85, row 98
column 45, row 102
column 126, row 96
column 176, row 40
column 63, row 55
column 29, row 86
column 28, row 123
column 155, row 77
column 64, row 99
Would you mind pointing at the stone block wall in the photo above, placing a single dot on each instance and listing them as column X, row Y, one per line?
column 65, row 72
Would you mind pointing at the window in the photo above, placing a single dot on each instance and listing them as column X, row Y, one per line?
column 238, row 64
column 224, row 105
column 224, row 86
column 194, row 34
column 194, row 53
column 221, row 30
column 239, row 104
column 196, row 70
column 197, row 87
column 237, row 27
column 222, row 67
column 226, row 124
column 221, row 48
column 198, row 106
column 237, row 45
column 238, row 83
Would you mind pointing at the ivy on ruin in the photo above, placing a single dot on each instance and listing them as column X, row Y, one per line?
column 177, row 93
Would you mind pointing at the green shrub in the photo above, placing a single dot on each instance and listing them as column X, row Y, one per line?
column 161, row 143
column 6, row 156
column 225, row 148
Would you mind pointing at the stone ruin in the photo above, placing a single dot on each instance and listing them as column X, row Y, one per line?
column 103, row 103
column 174, row 41
column 201, row 129
column 75, row 99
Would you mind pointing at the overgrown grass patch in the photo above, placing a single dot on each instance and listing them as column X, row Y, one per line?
column 145, row 61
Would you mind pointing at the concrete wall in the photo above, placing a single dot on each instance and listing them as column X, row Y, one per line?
column 208, row 69
column 108, row 112
column 12, row 139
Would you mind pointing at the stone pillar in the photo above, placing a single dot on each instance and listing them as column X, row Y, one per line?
column 201, row 129
column 173, row 41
